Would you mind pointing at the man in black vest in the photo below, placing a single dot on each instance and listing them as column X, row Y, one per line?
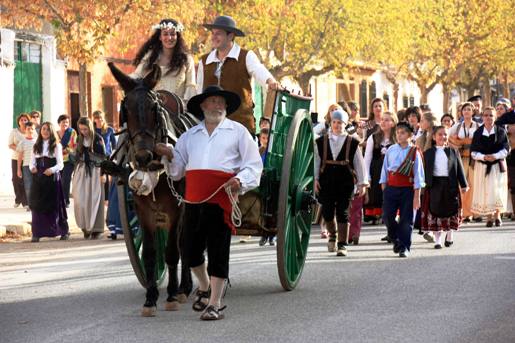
column 339, row 168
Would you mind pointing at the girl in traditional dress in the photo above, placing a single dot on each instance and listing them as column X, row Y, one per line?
column 68, row 138
column 489, row 148
column 15, row 137
column 447, row 120
column 107, row 133
column 377, row 145
column 167, row 49
column 88, row 191
column 460, row 137
column 49, row 218
column 427, row 122
column 377, row 107
column 444, row 177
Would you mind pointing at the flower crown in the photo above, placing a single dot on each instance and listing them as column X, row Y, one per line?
column 168, row 26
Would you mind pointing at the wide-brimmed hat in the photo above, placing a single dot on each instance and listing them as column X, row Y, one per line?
column 232, row 100
column 224, row 22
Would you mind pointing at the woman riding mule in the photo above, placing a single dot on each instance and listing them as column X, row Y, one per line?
column 149, row 123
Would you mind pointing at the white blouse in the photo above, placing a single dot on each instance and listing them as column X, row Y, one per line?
column 15, row 137
column 369, row 152
column 465, row 131
column 181, row 83
column 441, row 167
column 58, row 156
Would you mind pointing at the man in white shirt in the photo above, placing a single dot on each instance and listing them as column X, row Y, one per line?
column 232, row 68
column 216, row 154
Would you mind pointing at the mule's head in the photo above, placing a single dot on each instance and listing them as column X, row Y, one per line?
column 139, row 111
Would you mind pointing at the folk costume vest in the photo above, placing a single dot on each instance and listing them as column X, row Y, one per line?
column 403, row 176
column 234, row 77
column 336, row 176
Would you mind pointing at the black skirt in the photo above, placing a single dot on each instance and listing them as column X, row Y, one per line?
column 443, row 203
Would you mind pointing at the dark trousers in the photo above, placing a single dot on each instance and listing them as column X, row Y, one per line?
column 338, row 204
column 204, row 227
column 399, row 199
column 66, row 179
column 19, row 190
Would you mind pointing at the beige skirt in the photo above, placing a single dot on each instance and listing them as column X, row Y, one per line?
column 490, row 191
column 88, row 199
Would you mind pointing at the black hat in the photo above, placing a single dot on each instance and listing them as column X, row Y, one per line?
column 405, row 126
column 475, row 98
column 224, row 22
column 232, row 100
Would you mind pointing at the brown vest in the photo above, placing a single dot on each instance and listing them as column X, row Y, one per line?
column 234, row 78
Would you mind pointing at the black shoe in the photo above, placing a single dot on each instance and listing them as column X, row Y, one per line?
column 477, row 219
column 448, row 243
column 86, row 234
column 386, row 239
column 96, row 235
column 263, row 241
column 396, row 247
column 404, row 253
column 271, row 241
column 34, row 239
column 355, row 240
column 438, row 246
column 498, row 222
column 489, row 223
column 198, row 304
column 65, row 237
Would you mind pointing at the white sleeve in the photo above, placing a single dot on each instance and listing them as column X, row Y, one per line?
column 190, row 86
column 32, row 164
column 59, row 158
column 359, row 167
column 11, row 138
column 200, row 77
column 257, row 70
column 180, row 158
column 477, row 156
column 501, row 154
column 251, row 162
column 369, row 151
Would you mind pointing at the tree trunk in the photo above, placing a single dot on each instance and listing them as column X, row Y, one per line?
column 303, row 81
column 487, row 94
column 505, row 86
column 446, row 97
column 423, row 94
column 83, row 90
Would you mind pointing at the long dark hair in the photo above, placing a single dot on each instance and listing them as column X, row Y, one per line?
column 52, row 140
column 91, row 130
column 154, row 45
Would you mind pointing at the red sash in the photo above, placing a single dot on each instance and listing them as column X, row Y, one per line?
column 201, row 183
column 399, row 180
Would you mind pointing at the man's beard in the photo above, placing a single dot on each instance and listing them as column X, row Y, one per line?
column 215, row 116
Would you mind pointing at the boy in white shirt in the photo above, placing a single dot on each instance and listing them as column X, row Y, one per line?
column 24, row 150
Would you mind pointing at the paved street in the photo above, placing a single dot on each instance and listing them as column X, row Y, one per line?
column 85, row 291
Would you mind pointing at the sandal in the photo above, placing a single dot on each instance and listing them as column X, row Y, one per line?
column 212, row 313
column 198, row 304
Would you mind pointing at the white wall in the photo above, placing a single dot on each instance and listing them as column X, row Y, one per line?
column 6, row 99
column 53, row 81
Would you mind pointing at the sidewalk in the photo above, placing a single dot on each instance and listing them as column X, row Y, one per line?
column 15, row 222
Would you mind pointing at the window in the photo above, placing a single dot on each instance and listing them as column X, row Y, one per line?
column 372, row 90
column 405, row 102
column 386, row 99
column 27, row 52
column 412, row 101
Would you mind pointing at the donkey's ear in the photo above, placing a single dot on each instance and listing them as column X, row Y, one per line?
column 126, row 82
column 153, row 77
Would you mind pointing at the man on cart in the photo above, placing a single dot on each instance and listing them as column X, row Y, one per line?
column 219, row 160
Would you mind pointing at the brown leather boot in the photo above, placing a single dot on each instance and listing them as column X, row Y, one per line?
column 331, row 229
column 343, row 238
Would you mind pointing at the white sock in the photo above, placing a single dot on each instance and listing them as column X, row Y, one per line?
column 438, row 237
column 201, row 274
column 217, row 290
column 448, row 237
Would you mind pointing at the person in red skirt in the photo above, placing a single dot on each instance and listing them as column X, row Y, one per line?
column 445, row 176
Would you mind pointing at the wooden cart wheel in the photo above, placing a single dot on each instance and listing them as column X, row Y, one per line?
column 133, row 236
column 294, row 216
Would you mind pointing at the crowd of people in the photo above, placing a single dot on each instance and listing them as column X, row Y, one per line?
column 407, row 169
column 431, row 174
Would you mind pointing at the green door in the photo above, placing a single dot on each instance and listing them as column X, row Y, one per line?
column 27, row 79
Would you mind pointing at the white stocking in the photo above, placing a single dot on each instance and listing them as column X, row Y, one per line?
column 448, row 238
column 438, row 237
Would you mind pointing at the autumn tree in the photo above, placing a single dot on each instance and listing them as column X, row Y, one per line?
column 82, row 28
